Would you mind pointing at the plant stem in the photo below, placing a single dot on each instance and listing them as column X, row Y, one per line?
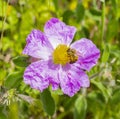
column 103, row 23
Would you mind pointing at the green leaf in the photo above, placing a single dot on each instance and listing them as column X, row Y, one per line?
column 96, row 104
column 106, row 54
column 86, row 32
column 3, row 116
column 80, row 12
column 95, row 12
column 48, row 102
column 13, row 80
column 21, row 61
column 116, row 97
column 55, row 4
column 66, row 15
column 70, row 102
column 96, row 98
column 102, row 88
column 80, row 108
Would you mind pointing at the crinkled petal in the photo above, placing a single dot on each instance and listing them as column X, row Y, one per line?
column 38, row 45
column 88, row 53
column 72, row 79
column 58, row 32
column 39, row 75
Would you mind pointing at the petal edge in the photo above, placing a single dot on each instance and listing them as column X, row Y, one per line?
column 37, row 45
column 88, row 53
column 58, row 32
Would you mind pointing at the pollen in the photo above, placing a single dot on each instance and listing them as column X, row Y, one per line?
column 63, row 55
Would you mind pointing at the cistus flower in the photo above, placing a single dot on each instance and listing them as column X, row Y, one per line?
column 61, row 64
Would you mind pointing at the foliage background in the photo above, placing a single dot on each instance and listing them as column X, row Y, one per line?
column 98, row 20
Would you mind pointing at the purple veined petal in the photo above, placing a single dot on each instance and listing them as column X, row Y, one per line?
column 58, row 32
column 39, row 75
column 38, row 45
column 88, row 53
column 53, row 73
column 72, row 79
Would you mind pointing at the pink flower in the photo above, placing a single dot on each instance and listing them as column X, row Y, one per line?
column 61, row 63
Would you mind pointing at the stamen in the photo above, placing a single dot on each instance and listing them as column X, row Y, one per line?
column 63, row 55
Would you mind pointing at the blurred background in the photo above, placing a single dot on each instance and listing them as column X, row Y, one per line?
column 98, row 20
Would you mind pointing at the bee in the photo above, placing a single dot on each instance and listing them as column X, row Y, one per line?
column 72, row 55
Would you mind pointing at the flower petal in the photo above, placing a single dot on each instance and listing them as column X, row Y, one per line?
column 39, row 75
column 72, row 79
column 37, row 45
column 58, row 32
column 88, row 53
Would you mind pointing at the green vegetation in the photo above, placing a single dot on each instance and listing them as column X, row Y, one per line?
column 98, row 20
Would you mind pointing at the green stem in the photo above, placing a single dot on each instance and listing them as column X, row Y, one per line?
column 103, row 23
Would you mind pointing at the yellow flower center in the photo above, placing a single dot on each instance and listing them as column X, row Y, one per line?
column 63, row 55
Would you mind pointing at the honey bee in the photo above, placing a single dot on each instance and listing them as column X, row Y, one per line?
column 72, row 55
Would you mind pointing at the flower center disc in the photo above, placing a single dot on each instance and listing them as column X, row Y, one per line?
column 63, row 55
